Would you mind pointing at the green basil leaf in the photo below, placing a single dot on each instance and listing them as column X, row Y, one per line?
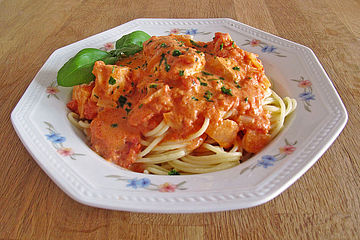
column 130, row 49
column 78, row 69
column 134, row 38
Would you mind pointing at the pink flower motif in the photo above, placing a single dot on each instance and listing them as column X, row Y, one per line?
column 109, row 46
column 288, row 149
column 304, row 84
column 65, row 152
column 254, row 42
column 174, row 31
column 52, row 90
column 167, row 187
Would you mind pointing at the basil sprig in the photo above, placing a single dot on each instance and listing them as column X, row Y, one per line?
column 78, row 69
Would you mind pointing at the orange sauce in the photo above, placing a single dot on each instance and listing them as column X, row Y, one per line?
column 182, row 81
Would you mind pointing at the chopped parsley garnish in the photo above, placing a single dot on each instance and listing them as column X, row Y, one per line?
column 206, row 73
column 208, row 95
column 140, row 106
column 202, row 83
column 176, row 53
column 205, row 46
column 153, row 86
column 194, row 98
column 163, row 58
column 167, row 67
column 198, row 51
column 173, row 172
column 129, row 104
column 181, row 72
column 236, row 68
column 132, row 84
column 113, row 69
column 96, row 96
column 233, row 44
column 149, row 42
column 221, row 46
column 112, row 80
column 122, row 100
column 237, row 84
column 163, row 45
column 127, row 110
column 249, row 78
column 226, row 91
column 246, row 99
column 194, row 43
column 222, row 78
column 114, row 125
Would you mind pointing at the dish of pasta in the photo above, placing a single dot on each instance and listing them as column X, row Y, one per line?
column 179, row 106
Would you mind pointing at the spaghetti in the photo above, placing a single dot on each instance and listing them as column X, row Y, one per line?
column 180, row 106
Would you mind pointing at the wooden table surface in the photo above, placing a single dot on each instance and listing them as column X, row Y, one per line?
column 322, row 204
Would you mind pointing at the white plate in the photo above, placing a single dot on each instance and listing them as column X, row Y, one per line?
column 40, row 121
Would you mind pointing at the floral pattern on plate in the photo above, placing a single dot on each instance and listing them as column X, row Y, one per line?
column 307, row 95
column 269, row 160
column 57, row 141
column 146, row 183
column 191, row 31
column 108, row 46
column 265, row 48
column 52, row 90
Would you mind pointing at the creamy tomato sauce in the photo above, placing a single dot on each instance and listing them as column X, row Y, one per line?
column 182, row 82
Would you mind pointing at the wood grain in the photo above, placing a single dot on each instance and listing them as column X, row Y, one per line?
column 322, row 204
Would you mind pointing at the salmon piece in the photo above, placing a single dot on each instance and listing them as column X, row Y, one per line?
column 223, row 132
column 81, row 102
column 111, row 81
column 167, row 56
column 154, row 104
column 253, row 141
column 226, row 67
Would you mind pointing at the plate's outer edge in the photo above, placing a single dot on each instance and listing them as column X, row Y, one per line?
column 276, row 187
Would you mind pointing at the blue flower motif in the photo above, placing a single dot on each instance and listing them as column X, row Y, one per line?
column 268, row 158
column 143, row 182
column 132, row 183
column 55, row 138
column 60, row 140
column 265, row 164
column 269, row 49
column 191, row 31
column 267, row 161
column 307, row 96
